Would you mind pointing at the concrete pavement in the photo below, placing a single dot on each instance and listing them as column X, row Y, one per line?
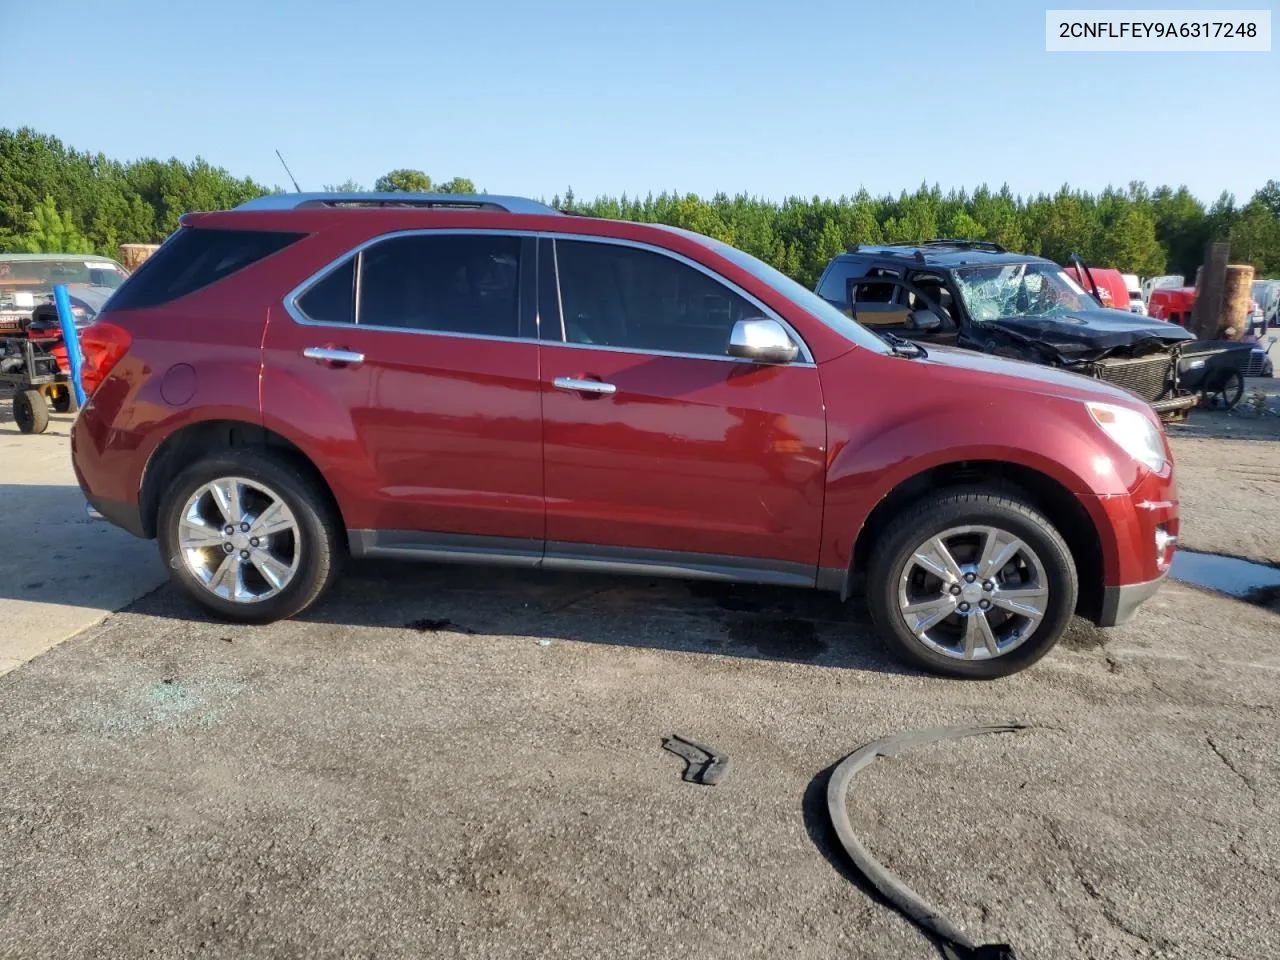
column 60, row 572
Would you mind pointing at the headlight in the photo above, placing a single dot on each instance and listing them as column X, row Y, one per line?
column 1135, row 434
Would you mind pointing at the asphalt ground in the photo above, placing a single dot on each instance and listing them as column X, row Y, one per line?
column 467, row 762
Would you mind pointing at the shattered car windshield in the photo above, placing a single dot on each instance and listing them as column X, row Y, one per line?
column 26, row 282
column 1020, row 290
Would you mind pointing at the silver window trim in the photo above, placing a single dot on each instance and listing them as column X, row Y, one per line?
column 295, row 312
column 767, row 311
column 555, row 270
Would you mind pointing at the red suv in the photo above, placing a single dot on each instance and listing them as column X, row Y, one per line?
column 483, row 379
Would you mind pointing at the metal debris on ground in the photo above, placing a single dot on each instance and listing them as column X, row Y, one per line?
column 703, row 765
column 949, row 939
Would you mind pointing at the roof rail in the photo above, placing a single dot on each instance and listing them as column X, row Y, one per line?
column 436, row 201
column 938, row 242
column 963, row 245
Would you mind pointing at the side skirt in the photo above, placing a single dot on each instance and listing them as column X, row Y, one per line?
column 554, row 555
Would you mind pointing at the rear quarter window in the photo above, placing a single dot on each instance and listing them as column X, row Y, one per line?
column 193, row 259
column 834, row 285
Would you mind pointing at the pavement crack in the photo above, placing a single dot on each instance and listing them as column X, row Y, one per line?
column 1230, row 765
column 1105, row 906
column 1244, row 858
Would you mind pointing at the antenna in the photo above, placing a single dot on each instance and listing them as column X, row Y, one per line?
column 289, row 172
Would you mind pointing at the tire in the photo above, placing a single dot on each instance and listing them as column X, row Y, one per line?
column 30, row 411
column 895, row 579
column 315, row 539
column 1229, row 389
column 64, row 402
column 1232, row 389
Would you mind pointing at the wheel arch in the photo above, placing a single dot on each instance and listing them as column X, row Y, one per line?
column 194, row 440
column 1049, row 496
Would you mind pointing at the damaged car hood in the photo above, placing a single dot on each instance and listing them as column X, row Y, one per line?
column 1092, row 331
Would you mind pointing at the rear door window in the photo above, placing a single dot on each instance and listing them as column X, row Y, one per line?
column 833, row 287
column 191, row 260
column 445, row 283
column 869, row 292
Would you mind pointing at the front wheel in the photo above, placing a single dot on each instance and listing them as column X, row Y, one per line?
column 249, row 536
column 972, row 584
column 1230, row 389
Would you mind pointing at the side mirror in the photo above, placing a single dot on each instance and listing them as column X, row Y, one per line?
column 762, row 340
column 925, row 321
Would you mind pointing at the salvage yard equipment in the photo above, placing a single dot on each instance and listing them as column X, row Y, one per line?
column 34, row 362
column 29, row 365
column 1216, row 369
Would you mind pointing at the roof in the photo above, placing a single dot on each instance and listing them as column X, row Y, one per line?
column 31, row 257
column 940, row 254
column 476, row 201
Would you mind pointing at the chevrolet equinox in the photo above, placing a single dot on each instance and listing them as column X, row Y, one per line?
column 484, row 379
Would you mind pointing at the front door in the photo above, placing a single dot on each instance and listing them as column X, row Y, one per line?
column 661, row 449
column 436, row 365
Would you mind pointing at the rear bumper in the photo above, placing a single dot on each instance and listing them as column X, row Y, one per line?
column 1119, row 604
column 124, row 515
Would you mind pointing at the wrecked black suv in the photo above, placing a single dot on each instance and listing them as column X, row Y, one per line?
column 979, row 296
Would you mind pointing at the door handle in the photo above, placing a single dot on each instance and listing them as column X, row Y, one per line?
column 332, row 355
column 584, row 386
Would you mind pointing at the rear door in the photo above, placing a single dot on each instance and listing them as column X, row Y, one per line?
column 426, row 341
column 660, row 448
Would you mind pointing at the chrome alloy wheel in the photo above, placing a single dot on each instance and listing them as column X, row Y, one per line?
column 973, row 592
column 239, row 539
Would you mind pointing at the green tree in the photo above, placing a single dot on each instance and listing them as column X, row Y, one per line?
column 346, row 186
column 1255, row 238
column 106, row 202
column 1064, row 224
column 1269, row 197
column 1128, row 242
column 456, row 185
column 403, row 181
column 1182, row 228
column 52, row 232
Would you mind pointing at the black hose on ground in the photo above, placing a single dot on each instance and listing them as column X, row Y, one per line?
column 949, row 938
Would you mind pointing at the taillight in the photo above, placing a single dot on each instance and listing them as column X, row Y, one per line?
column 102, row 345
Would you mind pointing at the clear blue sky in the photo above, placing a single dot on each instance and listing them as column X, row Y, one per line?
column 767, row 98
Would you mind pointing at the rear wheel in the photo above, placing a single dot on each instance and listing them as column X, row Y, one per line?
column 249, row 535
column 972, row 584
column 64, row 401
column 30, row 411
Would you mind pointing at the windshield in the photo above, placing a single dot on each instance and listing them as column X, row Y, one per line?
column 799, row 294
column 25, row 283
column 1020, row 290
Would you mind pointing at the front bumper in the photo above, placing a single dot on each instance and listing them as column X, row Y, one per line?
column 1175, row 406
column 1119, row 604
